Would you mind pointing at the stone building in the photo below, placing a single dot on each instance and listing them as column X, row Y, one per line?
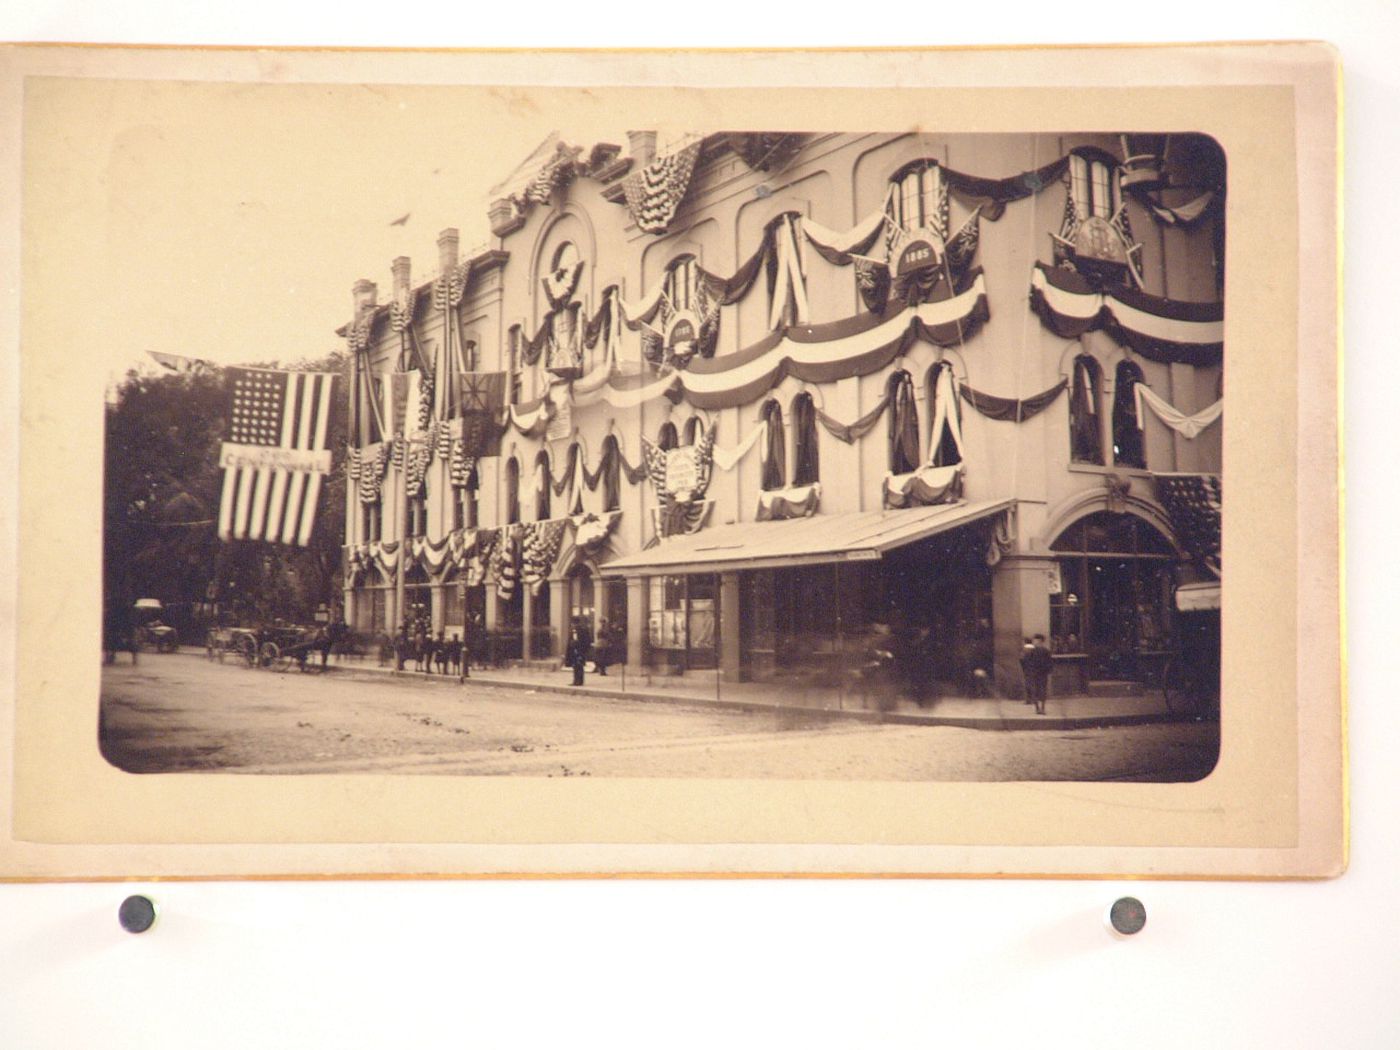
column 757, row 396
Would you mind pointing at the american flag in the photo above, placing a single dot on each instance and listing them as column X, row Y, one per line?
column 276, row 453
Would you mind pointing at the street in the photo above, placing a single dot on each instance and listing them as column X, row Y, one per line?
column 182, row 713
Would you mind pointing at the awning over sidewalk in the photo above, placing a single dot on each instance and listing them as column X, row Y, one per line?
column 1198, row 597
column 820, row 539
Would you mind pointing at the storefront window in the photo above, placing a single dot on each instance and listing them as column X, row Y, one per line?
column 683, row 620
column 1110, row 595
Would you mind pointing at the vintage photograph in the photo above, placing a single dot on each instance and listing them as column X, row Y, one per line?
column 798, row 454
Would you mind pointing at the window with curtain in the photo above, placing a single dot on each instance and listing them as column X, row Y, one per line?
column 542, row 482
column 945, row 413
column 612, row 474
column 1085, row 437
column 806, row 466
column 512, row 491
column 774, row 457
column 666, row 438
column 1128, row 448
column 904, row 423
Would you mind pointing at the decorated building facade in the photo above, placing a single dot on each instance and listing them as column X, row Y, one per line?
column 752, row 397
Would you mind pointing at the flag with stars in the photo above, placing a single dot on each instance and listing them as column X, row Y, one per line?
column 275, row 454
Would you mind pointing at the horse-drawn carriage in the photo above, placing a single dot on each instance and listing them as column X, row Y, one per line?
column 279, row 647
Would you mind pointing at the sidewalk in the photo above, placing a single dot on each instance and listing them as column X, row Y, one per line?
column 1069, row 712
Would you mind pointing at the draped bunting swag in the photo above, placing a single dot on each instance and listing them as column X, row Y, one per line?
column 1187, row 426
column 1007, row 409
column 924, row 487
column 1003, row 539
column 800, row 502
column 853, row 432
column 1168, row 331
column 539, row 550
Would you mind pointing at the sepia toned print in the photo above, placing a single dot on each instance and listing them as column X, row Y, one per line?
column 724, row 454
column 406, row 391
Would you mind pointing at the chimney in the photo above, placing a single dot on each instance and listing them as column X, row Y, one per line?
column 503, row 217
column 447, row 250
column 642, row 145
column 366, row 295
column 401, row 268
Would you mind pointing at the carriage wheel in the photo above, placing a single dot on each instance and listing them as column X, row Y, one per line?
column 268, row 654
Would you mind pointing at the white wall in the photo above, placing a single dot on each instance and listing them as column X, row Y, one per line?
column 812, row 964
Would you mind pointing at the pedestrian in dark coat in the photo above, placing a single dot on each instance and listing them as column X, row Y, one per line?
column 576, row 655
column 1036, row 665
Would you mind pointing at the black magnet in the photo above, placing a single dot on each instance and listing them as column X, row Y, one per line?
column 137, row 914
column 1127, row 916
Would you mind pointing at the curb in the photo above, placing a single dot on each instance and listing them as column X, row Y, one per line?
column 994, row 723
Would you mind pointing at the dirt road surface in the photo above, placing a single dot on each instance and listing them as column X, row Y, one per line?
column 180, row 713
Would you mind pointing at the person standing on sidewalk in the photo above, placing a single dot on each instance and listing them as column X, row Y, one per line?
column 576, row 655
column 1036, row 665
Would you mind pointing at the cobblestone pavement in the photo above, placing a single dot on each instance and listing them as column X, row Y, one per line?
column 182, row 713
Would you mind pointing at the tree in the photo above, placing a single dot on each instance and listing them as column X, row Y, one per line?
column 162, row 488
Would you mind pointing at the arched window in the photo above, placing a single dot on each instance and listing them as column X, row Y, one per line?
column 512, row 491
column 945, row 434
column 666, row 437
column 774, row 458
column 681, row 277
column 1085, row 435
column 1113, row 600
column 806, row 466
column 612, row 474
column 918, row 197
column 691, row 434
column 542, row 484
column 1093, row 185
column 904, row 423
column 1127, row 434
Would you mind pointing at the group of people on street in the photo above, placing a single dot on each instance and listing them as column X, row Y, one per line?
column 450, row 655
column 603, row 650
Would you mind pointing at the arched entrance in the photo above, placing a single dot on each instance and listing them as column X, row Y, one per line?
column 1110, row 601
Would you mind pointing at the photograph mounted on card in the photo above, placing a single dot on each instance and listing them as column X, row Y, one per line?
column 692, row 479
